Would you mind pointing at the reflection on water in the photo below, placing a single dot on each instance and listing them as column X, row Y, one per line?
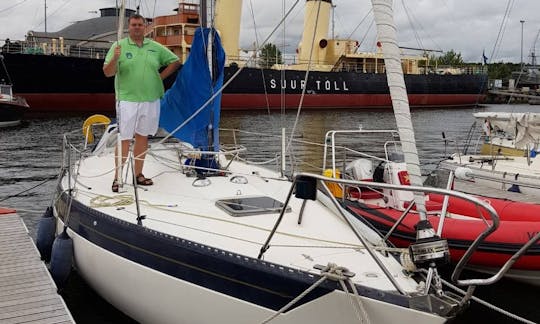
column 30, row 156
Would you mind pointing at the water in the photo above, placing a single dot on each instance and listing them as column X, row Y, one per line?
column 30, row 157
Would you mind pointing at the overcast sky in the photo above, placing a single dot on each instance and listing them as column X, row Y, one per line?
column 466, row 26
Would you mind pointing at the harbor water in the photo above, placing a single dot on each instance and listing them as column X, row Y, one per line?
column 30, row 159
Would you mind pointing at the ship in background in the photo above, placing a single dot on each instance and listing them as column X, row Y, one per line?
column 62, row 71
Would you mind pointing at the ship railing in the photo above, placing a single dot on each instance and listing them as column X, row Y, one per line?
column 23, row 47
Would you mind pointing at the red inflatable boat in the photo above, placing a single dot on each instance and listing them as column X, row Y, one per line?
column 519, row 222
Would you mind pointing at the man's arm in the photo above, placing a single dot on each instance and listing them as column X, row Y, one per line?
column 109, row 69
column 170, row 69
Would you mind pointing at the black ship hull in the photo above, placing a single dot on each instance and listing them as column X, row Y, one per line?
column 72, row 84
column 11, row 112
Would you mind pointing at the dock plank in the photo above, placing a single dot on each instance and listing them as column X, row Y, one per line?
column 57, row 315
column 19, row 289
column 27, row 291
column 29, row 311
column 29, row 308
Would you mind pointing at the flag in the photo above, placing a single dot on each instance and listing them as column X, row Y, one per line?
column 484, row 57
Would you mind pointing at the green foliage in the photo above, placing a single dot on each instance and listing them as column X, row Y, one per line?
column 450, row 58
column 270, row 55
column 502, row 70
column 498, row 70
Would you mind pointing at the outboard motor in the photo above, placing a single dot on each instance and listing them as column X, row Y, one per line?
column 360, row 169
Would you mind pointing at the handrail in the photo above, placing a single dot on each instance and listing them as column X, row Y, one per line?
column 329, row 138
column 472, row 248
column 496, row 277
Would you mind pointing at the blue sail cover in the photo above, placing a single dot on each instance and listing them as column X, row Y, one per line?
column 194, row 85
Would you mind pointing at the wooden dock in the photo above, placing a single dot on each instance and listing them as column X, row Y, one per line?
column 515, row 94
column 27, row 291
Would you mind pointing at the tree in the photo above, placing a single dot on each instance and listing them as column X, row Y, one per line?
column 502, row 70
column 450, row 58
column 270, row 55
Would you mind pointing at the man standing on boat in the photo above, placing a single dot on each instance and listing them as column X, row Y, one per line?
column 135, row 62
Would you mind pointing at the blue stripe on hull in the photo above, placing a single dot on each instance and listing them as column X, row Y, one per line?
column 265, row 284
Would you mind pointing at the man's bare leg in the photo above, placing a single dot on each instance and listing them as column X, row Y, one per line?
column 125, row 151
column 139, row 152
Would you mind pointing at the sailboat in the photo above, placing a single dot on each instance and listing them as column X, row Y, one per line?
column 218, row 240
column 506, row 157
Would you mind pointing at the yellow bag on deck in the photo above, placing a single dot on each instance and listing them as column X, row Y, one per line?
column 335, row 188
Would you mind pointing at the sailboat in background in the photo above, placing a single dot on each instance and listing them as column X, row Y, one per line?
column 216, row 239
column 503, row 157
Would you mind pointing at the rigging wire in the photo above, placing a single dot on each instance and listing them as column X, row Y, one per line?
column 54, row 12
column 28, row 189
column 411, row 22
column 424, row 30
column 255, row 53
column 12, row 6
column 500, row 35
column 358, row 26
column 289, row 144
column 502, row 28
column 225, row 84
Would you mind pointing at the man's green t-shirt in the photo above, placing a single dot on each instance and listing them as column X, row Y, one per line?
column 137, row 78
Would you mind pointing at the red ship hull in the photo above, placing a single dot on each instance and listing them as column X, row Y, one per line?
column 104, row 102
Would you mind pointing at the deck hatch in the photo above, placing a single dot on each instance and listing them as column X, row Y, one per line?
column 247, row 206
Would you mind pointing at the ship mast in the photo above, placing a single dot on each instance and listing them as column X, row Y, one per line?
column 45, row 11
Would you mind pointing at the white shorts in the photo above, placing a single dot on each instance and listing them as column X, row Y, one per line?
column 137, row 117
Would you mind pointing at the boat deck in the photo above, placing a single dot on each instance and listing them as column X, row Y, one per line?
column 475, row 188
column 27, row 291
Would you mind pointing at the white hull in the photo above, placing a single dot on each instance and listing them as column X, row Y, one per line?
column 153, row 297
column 503, row 174
column 178, row 280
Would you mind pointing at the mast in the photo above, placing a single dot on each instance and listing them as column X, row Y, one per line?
column 386, row 33
column 429, row 248
column 204, row 13
column 45, row 11
column 207, row 11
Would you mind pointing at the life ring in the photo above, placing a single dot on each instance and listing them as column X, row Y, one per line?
column 92, row 120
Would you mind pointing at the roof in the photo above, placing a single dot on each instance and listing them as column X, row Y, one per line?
column 94, row 28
